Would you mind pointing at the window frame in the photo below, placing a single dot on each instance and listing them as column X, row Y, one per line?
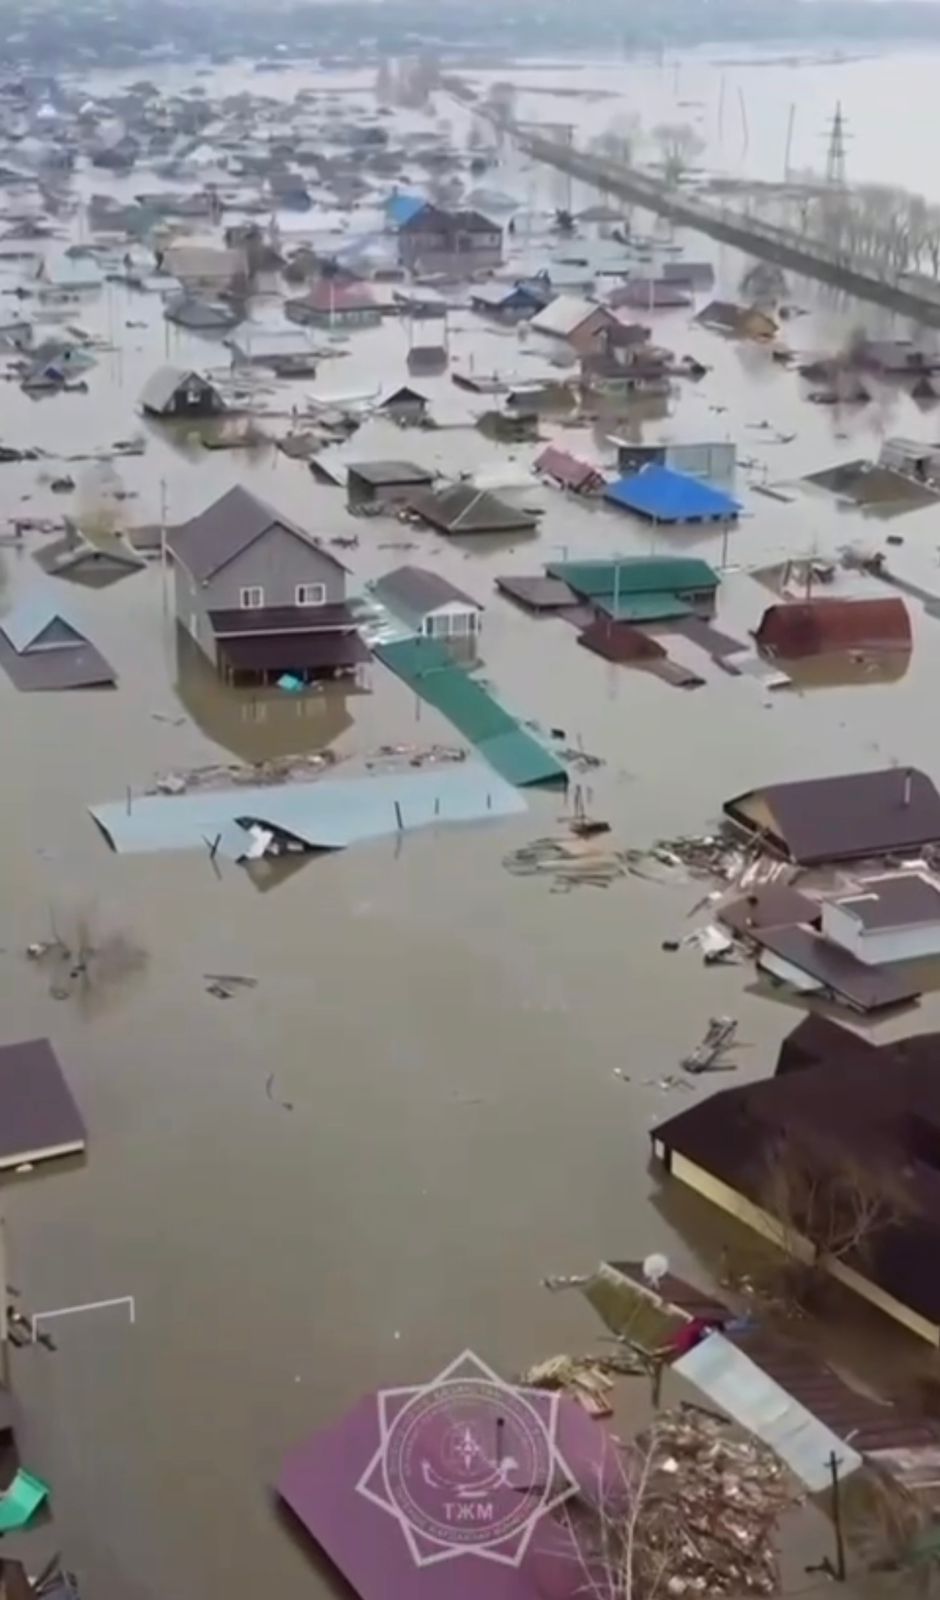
column 299, row 588
column 246, row 603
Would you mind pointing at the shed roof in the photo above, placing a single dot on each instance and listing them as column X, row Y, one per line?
column 564, row 315
column 659, row 493
column 380, row 473
column 633, row 575
column 567, row 470
column 858, row 984
column 461, row 508
column 228, row 527
column 327, row 815
column 38, row 1115
column 841, row 818
column 421, row 590
column 538, row 593
column 618, row 641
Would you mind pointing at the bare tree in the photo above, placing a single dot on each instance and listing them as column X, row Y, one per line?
column 679, row 145
column 619, row 140
column 826, row 1204
column 686, row 1508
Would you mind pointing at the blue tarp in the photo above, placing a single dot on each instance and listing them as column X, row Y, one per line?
column 400, row 208
column 667, row 496
column 326, row 815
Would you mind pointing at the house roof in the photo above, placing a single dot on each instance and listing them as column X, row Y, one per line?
column 859, row 984
column 837, row 819
column 495, row 295
column 564, row 315
column 464, row 509
column 207, row 543
column 567, row 469
column 663, row 495
column 38, row 1115
column 293, row 652
column 401, row 208
column 902, row 900
column 538, row 593
column 328, row 295
column 381, row 473
column 253, row 341
column 163, row 384
column 34, row 616
column 636, row 575
column 230, row 623
column 618, row 641
column 204, row 262
column 421, row 590
column 811, row 627
column 877, row 1105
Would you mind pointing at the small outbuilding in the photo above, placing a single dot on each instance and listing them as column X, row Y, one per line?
column 462, row 509
column 895, row 918
column 565, row 470
column 174, row 392
column 384, row 483
column 39, row 1120
column 429, row 603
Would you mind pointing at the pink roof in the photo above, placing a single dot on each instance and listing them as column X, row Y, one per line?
column 327, row 295
column 329, row 1480
column 567, row 469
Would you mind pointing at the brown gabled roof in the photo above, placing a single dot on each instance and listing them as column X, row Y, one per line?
column 207, row 543
column 811, row 627
column 843, row 818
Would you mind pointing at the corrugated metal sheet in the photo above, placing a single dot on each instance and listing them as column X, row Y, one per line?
column 633, row 575
column 662, row 495
column 328, row 815
column 805, row 628
column 733, row 1382
column 431, row 672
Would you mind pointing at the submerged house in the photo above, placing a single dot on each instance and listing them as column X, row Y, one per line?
column 659, row 494
column 568, row 472
column 432, row 240
column 819, row 820
column 333, row 304
column 814, row 627
column 174, row 392
column 508, row 302
column 429, row 603
column 42, row 648
column 373, row 484
column 261, row 597
column 872, row 1111
column 712, row 462
column 641, row 588
column 580, row 324
column 460, row 508
column 741, row 322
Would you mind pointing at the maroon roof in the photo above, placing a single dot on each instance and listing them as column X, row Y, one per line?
column 805, row 628
column 859, row 984
column 619, row 642
column 293, row 652
column 281, row 619
column 38, row 1116
column 568, row 470
column 818, row 1041
column 78, row 666
column 773, row 905
column 844, row 818
column 901, row 900
column 367, row 1543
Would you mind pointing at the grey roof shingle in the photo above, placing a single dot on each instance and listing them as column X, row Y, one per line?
column 207, row 543
column 420, row 590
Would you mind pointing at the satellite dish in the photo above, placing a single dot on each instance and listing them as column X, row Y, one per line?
column 655, row 1268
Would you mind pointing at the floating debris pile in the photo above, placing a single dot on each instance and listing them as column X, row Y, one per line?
column 570, row 861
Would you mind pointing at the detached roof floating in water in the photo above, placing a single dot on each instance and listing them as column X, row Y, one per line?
column 327, row 815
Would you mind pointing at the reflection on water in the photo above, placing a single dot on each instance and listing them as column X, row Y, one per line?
column 259, row 724
column 842, row 668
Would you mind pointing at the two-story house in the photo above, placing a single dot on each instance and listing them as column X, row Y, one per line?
column 463, row 242
column 260, row 596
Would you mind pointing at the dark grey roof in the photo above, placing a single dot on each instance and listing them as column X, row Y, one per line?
column 78, row 666
column 207, row 543
column 382, row 472
column 163, row 384
column 838, row 819
column 38, row 1116
column 282, row 619
column 463, row 509
column 900, row 901
column 859, row 984
column 420, row 590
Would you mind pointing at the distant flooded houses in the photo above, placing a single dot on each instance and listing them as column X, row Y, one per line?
column 432, row 241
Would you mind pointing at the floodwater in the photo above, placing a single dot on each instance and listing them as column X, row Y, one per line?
column 446, row 1035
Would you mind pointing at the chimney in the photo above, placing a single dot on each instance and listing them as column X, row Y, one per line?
column 908, row 786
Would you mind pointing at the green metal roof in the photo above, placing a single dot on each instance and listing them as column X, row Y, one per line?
column 428, row 669
column 636, row 575
column 643, row 607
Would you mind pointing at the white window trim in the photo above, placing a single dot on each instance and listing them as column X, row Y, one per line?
column 251, row 598
column 302, row 589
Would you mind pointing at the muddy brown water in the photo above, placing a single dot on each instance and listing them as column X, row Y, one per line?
column 445, row 1034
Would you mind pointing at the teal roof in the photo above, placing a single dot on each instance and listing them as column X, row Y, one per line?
column 426, row 666
column 643, row 607
column 636, row 575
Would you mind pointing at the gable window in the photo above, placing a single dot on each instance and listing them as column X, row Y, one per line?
column 251, row 599
column 310, row 594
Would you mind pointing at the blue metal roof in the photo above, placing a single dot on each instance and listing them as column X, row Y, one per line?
column 400, row 208
column 327, row 815
column 666, row 496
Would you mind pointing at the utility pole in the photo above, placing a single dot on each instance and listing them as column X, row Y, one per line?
column 835, row 151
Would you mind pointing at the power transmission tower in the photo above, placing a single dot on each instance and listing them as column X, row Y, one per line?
column 835, row 152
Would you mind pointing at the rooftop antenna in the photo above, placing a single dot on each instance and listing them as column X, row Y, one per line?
column 835, row 151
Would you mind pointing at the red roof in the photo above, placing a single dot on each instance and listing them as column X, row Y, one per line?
column 568, row 470
column 328, row 295
column 815, row 626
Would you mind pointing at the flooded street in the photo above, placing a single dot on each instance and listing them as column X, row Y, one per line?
column 345, row 1176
